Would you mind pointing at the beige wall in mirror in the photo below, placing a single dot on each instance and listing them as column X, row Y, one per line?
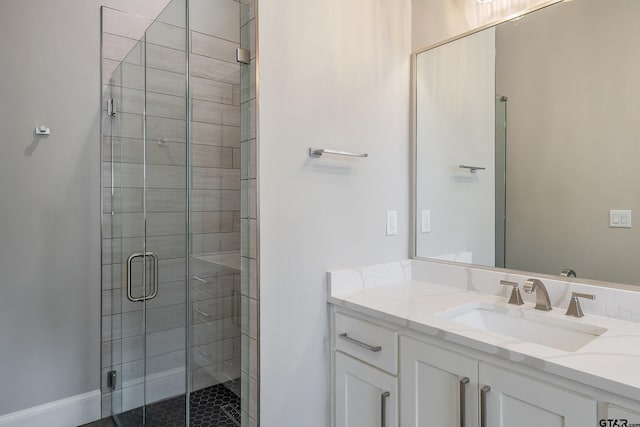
column 568, row 73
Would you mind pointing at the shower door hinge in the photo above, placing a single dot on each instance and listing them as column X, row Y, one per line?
column 111, row 107
column 243, row 56
column 111, row 379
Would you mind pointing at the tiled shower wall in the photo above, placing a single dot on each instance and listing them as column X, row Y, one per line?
column 215, row 193
column 250, row 409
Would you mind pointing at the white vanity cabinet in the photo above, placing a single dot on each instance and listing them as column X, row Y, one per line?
column 365, row 368
column 511, row 399
column 364, row 394
column 621, row 414
column 387, row 375
column 444, row 388
column 438, row 387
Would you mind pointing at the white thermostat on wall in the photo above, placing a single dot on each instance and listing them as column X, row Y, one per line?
column 43, row 130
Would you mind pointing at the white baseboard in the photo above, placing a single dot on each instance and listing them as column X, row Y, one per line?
column 70, row 412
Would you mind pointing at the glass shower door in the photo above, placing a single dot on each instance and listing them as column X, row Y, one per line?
column 172, row 218
column 144, row 216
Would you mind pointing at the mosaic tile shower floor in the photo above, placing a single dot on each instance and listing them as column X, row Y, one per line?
column 216, row 406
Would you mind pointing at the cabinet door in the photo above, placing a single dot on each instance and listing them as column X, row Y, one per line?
column 438, row 387
column 518, row 400
column 361, row 395
column 623, row 416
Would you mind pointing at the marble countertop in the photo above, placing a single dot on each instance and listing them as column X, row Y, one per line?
column 610, row 362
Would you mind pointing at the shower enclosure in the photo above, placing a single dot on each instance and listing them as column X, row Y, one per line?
column 173, row 334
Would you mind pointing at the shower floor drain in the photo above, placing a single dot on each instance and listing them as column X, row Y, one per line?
column 232, row 412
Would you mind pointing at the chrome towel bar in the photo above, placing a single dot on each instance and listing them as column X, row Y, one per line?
column 472, row 169
column 318, row 152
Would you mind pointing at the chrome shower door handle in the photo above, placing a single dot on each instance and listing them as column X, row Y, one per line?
column 129, row 272
column 154, row 280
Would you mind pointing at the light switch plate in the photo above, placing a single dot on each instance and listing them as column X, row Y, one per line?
column 619, row 218
column 426, row 221
column 392, row 223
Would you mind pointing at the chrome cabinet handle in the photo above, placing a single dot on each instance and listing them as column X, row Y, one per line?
column 347, row 338
column 383, row 408
column 483, row 405
column 463, row 384
column 154, row 280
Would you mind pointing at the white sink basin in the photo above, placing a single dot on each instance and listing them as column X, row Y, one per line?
column 525, row 324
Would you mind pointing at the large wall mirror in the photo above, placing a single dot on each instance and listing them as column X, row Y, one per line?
column 528, row 144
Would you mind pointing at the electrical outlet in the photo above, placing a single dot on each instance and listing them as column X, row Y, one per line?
column 392, row 223
column 426, row 221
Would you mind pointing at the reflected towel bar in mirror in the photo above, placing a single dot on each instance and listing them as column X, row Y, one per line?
column 318, row 152
column 472, row 169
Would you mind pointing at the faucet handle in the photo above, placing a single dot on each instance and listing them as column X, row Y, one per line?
column 574, row 308
column 530, row 285
column 515, row 298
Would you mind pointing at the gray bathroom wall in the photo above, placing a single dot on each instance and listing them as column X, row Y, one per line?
column 332, row 74
column 50, row 199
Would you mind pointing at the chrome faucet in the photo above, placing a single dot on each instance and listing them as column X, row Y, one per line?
column 542, row 296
